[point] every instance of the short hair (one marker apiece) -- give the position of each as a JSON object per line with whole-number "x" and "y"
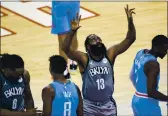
{"x": 14, "y": 61}
{"x": 86, "y": 42}
{"x": 159, "y": 40}
{"x": 89, "y": 37}
{"x": 57, "y": 64}
{"x": 4, "y": 59}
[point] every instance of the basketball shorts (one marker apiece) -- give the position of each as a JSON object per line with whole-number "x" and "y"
{"x": 145, "y": 106}
{"x": 108, "y": 108}
{"x": 62, "y": 14}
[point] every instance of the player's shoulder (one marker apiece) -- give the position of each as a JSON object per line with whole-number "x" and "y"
{"x": 152, "y": 65}
{"x": 48, "y": 89}
{"x": 140, "y": 52}
{"x": 26, "y": 76}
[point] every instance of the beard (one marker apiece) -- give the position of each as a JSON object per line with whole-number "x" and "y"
{"x": 98, "y": 50}
{"x": 12, "y": 79}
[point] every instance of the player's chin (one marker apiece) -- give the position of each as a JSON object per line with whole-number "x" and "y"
{"x": 162, "y": 56}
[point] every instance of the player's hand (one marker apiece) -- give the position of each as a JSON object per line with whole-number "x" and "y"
{"x": 75, "y": 22}
{"x": 35, "y": 112}
{"x": 129, "y": 12}
{"x": 39, "y": 113}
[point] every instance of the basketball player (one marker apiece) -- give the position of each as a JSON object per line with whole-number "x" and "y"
{"x": 96, "y": 67}
{"x": 62, "y": 97}
{"x": 62, "y": 13}
{"x": 145, "y": 77}
{"x": 15, "y": 93}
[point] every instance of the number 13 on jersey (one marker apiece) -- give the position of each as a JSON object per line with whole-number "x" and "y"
{"x": 100, "y": 84}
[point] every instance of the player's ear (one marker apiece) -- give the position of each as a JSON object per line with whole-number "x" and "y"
{"x": 88, "y": 47}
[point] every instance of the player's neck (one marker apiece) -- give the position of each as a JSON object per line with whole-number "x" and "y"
{"x": 153, "y": 53}
{"x": 97, "y": 58}
{"x": 4, "y": 73}
{"x": 60, "y": 78}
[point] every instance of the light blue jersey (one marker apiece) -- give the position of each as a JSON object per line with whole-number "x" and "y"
{"x": 62, "y": 14}
{"x": 141, "y": 103}
{"x": 66, "y": 99}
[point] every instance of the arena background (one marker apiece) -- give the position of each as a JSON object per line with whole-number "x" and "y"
{"x": 25, "y": 30}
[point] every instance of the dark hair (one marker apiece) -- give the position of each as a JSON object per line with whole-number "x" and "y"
{"x": 159, "y": 40}
{"x": 89, "y": 37}
{"x": 15, "y": 61}
{"x": 4, "y": 59}
{"x": 86, "y": 42}
{"x": 57, "y": 64}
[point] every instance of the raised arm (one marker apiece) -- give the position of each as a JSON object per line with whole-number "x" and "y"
{"x": 78, "y": 56}
{"x": 152, "y": 70}
{"x": 79, "y": 110}
{"x": 47, "y": 97}
{"x": 29, "y": 102}
{"x": 117, "y": 49}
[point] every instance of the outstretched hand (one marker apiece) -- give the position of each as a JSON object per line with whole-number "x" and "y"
{"x": 35, "y": 111}
{"x": 75, "y": 22}
{"x": 129, "y": 12}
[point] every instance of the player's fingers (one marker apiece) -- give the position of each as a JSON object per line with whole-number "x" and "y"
{"x": 73, "y": 19}
{"x": 78, "y": 27}
{"x": 39, "y": 111}
{"x": 127, "y": 7}
{"x": 79, "y": 18}
{"x": 126, "y": 12}
{"x": 77, "y": 15}
{"x": 131, "y": 9}
{"x": 132, "y": 13}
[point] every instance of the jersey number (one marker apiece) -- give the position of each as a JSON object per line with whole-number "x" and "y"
{"x": 67, "y": 108}
{"x": 100, "y": 84}
{"x": 14, "y": 105}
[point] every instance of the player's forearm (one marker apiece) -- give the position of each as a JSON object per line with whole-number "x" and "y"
{"x": 80, "y": 109}
{"x": 67, "y": 42}
{"x": 158, "y": 95}
{"x": 29, "y": 104}
{"x": 46, "y": 113}
{"x": 4, "y": 112}
{"x": 80, "y": 113}
{"x": 131, "y": 34}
